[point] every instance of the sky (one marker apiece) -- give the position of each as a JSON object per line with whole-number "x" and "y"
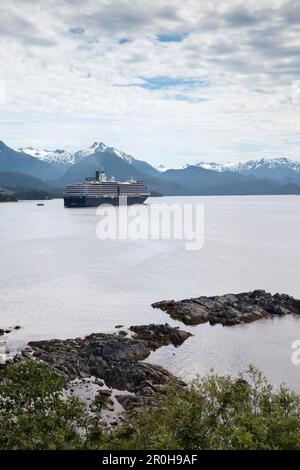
{"x": 171, "y": 82}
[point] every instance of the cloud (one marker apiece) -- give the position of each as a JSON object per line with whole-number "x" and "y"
{"x": 129, "y": 18}
{"x": 290, "y": 12}
{"x": 117, "y": 17}
{"x": 194, "y": 78}
{"x": 239, "y": 17}
{"x": 16, "y": 27}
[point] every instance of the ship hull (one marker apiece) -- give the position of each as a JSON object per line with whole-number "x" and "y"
{"x": 85, "y": 201}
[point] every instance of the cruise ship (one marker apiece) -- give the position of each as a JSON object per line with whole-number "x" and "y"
{"x": 101, "y": 190}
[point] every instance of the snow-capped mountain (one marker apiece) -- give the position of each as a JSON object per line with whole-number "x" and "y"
{"x": 63, "y": 159}
{"x": 273, "y": 168}
{"x": 271, "y": 164}
{"x": 18, "y": 162}
{"x": 87, "y": 152}
{"x": 101, "y": 147}
{"x": 58, "y": 158}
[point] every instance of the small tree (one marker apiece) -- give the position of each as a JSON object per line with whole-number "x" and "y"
{"x": 34, "y": 413}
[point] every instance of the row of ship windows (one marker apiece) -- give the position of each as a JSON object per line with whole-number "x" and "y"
{"x": 114, "y": 186}
{"x": 97, "y": 190}
{"x": 104, "y": 195}
{"x": 91, "y": 191}
{"x": 103, "y": 192}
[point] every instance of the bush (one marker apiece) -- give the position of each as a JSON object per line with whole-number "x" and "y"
{"x": 214, "y": 412}
{"x": 34, "y": 414}
{"x": 217, "y": 413}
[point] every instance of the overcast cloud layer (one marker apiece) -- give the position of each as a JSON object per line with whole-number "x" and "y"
{"x": 167, "y": 81}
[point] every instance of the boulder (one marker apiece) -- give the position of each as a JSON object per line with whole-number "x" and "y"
{"x": 159, "y": 335}
{"x": 133, "y": 402}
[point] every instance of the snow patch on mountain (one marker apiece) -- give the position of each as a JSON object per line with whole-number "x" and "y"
{"x": 123, "y": 155}
{"x": 101, "y": 147}
{"x": 87, "y": 152}
{"x": 208, "y": 166}
{"x": 54, "y": 157}
{"x": 161, "y": 168}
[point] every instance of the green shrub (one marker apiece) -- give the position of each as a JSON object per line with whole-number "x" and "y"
{"x": 214, "y": 412}
{"x": 217, "y": 413}
{"x": 34, "y": 414}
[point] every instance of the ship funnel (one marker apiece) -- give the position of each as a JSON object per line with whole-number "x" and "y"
{"x": 100, "y": 176}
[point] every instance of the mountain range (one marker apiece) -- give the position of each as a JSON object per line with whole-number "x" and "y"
{"x": 31, "y": 168}
{"x": 276, "y": 168}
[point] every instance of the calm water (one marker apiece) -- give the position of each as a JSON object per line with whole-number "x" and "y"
{"x": 58, "y": 280}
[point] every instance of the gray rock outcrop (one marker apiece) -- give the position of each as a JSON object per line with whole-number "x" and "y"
{"x": 230, "y": 309}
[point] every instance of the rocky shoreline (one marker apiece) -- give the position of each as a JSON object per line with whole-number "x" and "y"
{"x": 115, "y": 359}
{"x": 230, "y": 309}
